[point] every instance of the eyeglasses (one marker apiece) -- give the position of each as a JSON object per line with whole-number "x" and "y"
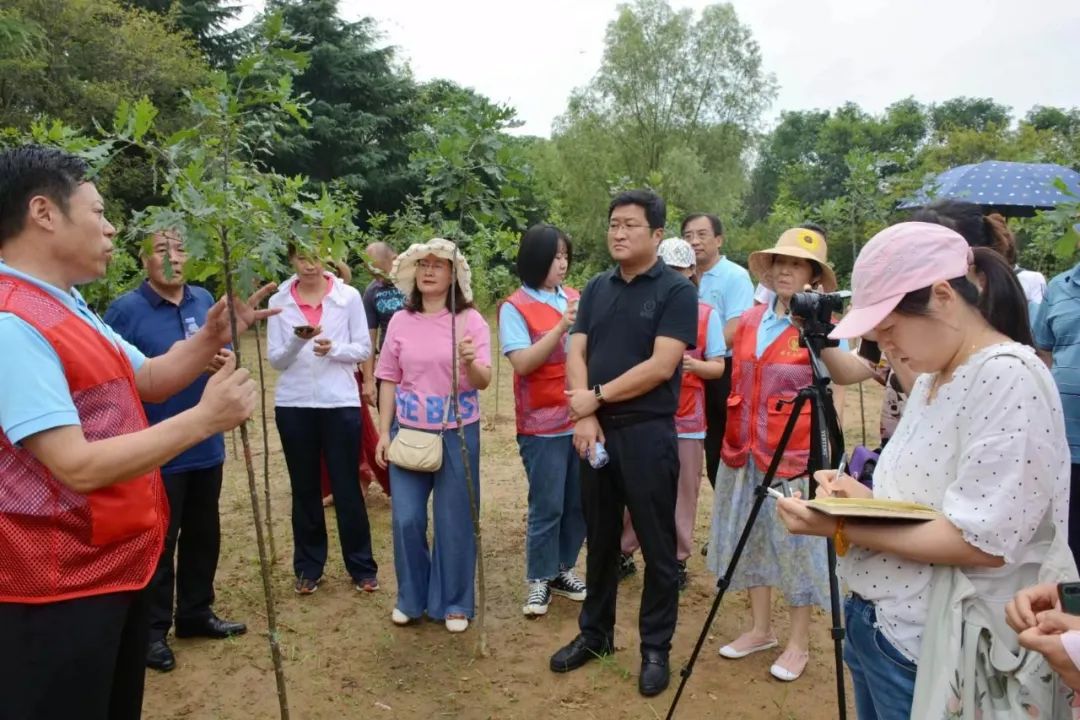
{"x": 614, "y": 227}
{"x": 700, "y": 235}
{"x": 432, "y": 265}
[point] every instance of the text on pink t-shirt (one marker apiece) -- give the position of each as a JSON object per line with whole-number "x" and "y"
{"x": 416, "y": 355}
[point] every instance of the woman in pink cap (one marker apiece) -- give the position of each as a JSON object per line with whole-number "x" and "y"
{"x": 982, "y": 441}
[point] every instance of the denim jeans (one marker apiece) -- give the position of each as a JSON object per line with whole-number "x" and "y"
{"x": 556, "y": 527}
{"x": 439, "y": 581}
{"x": 883, "y": 679}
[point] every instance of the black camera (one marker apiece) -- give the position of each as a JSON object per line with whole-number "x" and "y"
{"x": 816, "y": 310}
{"x": 818, "y": 306}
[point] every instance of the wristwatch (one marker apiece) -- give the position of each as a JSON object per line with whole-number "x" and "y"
{"x": 598, "y": 393}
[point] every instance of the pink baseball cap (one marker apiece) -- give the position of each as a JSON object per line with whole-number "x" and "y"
{"x": 900, "y": 259}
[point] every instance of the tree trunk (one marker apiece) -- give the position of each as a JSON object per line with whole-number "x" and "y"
{"x": 265, "y": 447}
{"x": 264, "y": 565}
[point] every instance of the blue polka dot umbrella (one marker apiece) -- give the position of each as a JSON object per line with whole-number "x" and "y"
{"x": 1011, "y": 188}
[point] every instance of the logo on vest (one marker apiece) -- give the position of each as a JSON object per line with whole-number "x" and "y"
{"x": 793, "y": 346}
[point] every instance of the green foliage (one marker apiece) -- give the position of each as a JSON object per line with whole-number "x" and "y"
{"x": 204, "y": 20}
{"x": 362, "y": 108}
{"x": 94, "y": 54}
{"x": 673, "y": 107}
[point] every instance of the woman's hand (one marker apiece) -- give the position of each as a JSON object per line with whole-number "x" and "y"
{"x": 1056, "y": 621}
{"x": 799, "y": 519}
{"x": 381, "y": 449}
{"x": 570, "y": 316}
{"x": 306, "y": 332}
{"x": 1022, "y": 611}
{"x": 829, "y": 485}
{"x": 322, "y": 346}
{"x": 467, "y": 351}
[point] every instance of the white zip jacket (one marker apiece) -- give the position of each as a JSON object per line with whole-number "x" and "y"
{"x": 307, "y": 380}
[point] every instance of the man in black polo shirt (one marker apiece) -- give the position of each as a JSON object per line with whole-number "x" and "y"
{"x": 623, "y": 367}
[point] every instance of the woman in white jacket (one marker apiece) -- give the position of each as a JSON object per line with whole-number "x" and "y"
{"x": 316, "y": 342}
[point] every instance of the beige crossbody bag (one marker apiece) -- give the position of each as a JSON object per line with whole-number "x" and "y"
{"x": 419, "y": 450}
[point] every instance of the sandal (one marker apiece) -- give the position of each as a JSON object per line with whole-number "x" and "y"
{"x": 744, "y": 645}
{"x": 790, "y": 665}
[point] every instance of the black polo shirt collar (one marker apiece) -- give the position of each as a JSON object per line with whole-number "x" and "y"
{"x": 155, "y": 300}
{"x": 653, "y": 272}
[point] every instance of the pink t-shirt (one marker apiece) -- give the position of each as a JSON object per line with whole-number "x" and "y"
{"x": 416, "y": 355}
{"x": 312, "y": 313}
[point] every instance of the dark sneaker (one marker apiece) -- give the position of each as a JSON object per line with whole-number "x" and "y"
{"x": 368, "y": 585}
{"x": 568, "y": 585}
{"x": 626, "y": 566}
{"x": 306, "y": 586}
{"x": 536, "y": 604}
{"x": 683, "y": 580}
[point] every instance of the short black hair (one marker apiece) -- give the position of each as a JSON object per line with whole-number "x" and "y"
{"x": 813, "y": 226}
{"x": 539, "y": 246}
{"x": 31, "y": 170}
{"x": 717, "y": 226}
{"x": 653, "y": 205}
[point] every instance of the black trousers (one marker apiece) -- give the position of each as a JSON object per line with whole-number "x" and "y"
{"x": 82, "y": 658}
{"x": 716, "y": 397}
{"x": 308, "y": 434}
{"x": 189, "y": 559}
{"x": 642, "y": 476}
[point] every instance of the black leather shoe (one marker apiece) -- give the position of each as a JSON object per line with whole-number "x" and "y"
{"x": 655, "y": 674}
{"x": 159, "y": 656}
{"x": 210, "y": 627}
{"x": 577, "y": 653}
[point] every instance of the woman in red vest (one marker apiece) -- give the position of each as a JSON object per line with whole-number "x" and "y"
{"x": 533, "y": 323}
{"x": 704, "y": 362}
{"x": 769, "y": 366}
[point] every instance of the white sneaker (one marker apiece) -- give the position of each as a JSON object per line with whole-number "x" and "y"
{"x": 457, "y": 624}
{"x": 568, "y": 585}
{"x": 536, "y": 604}
{"x": 400, "y": 618}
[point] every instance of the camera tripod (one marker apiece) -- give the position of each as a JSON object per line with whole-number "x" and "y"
{"x": 826, "y": 442}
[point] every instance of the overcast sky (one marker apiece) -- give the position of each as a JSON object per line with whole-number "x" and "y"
{"x": 531, "y": 54}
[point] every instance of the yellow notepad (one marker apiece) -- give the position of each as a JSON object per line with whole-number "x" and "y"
{"x": 878, "y": 509}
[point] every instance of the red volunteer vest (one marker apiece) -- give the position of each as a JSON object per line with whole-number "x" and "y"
{"x": 690, "y": 417}
{"x": 754, "y": 422}
{"x": 540, "y": 397}
{"x": 57, "y": 544}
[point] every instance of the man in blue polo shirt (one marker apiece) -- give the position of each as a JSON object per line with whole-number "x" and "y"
{"x": 1057, "y": 338}
{"x": 727, "y": 287}
{"x": 162, "y": 311}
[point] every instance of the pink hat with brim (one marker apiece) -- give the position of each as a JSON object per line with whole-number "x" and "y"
{"x": 898, "y": 260}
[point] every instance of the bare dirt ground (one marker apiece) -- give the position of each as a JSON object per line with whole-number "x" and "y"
{"x": 344, "y": 658}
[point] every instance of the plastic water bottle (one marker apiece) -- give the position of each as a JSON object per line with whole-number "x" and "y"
{"x": 599, "y": 458}
{"x": 190, "y": 327}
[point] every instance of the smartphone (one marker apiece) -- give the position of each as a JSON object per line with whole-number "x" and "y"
{"x": 869, "y": 350}
{"x": 303, "y": 329}
{"x": 1069, "y": 594}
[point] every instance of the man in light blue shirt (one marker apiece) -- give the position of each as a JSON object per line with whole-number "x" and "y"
{"x": 1057, "y": 338}
{"x": 727, "y": 287}
{"x": 81, "y": 633}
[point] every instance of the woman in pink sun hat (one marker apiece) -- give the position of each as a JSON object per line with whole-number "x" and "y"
{"x": 982, "y": 441}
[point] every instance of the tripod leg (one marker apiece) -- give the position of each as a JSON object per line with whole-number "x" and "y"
{"x": 723, "y": 583}
{"x": 828, "y": 442}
